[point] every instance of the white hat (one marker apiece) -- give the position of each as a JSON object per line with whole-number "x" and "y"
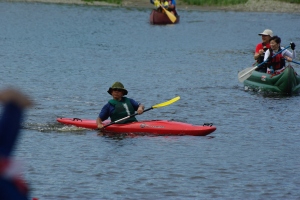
{"x": 267, "y": 32}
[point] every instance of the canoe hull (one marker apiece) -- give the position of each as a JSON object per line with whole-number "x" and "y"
{"x": 160, "y": 18}
{"x": 288, "y": 82}
{"x": 152, "y": 127}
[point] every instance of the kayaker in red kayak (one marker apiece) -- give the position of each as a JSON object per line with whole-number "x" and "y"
{"x": 119, "y": 107}
{"x": 12, "y": 186}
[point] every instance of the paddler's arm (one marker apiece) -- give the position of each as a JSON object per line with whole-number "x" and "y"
{"x": 99, "y": 123}
{"x": 290, "y": 56}
{"x": 257, "y": 55}
{"x": 258, "y": 51}
{"x": 140, "y": 109}
{"x": 10, "y": 122}
{"x": 103, "y": 115}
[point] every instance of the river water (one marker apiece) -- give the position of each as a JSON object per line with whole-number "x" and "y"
{"x": 67, "y": 56}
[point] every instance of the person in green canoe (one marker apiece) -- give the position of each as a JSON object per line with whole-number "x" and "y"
{"x": 261, "y": 48}
{"x": 276, "y": 65}
{"x": 119, "y": 107}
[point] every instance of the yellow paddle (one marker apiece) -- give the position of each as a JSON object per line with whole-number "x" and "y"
{"x": 169, "y": 14}
{"x": 152, "y": 107}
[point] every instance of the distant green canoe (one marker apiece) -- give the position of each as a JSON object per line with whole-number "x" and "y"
{"x": 288, "y": 82}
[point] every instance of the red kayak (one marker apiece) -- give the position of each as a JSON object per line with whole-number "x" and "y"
{"x": 152, "y": 127}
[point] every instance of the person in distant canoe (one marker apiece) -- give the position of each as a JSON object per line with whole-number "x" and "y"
{"x": 261, "y": 48}
{"x": 158, "y": 3}
{"x": 119, "y": 107}
{"x": 12, "y": 186}
{"x": 170, "y": 5}
{"x": 276, "y": 65}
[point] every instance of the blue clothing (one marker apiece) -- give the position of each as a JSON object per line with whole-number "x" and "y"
{"x": 108, "y": 109}
{"x": 10, "y": 124}
{"x": 9, "y": 191}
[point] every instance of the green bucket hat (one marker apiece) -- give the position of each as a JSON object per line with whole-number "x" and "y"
{"x": 117, "y": 85}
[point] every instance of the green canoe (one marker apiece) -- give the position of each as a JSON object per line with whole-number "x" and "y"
{"x": 288, "y": 82}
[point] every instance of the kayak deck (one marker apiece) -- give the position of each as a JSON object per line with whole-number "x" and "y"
{"x": 153, "y": 127}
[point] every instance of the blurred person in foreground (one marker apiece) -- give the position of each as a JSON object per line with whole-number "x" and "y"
{"x": 12, "y": 185}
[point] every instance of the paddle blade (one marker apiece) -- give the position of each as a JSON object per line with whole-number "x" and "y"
{"x": 246, "y": 73}
{"x": 166, "y": 103}
{"x": 169, "y": 14}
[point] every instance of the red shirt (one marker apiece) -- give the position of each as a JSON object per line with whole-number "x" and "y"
{"x": 260, "y": 46}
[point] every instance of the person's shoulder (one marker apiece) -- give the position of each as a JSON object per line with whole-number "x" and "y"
{"x": 127, "y": 99}
{"x": 132, "y": 101}
{"x": 108, "y": 104}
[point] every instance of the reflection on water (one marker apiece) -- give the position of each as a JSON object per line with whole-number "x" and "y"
{"x": 67, "y": 56}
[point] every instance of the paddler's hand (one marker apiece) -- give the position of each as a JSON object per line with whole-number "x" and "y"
{"x": 140, "y": 110}
{"x": 156, "y": 3}
{"x": 100, "y": 126}
{"x": 293, "y": 46}
{"x": 261, "y": 52}
{"x": 288, "y": 59}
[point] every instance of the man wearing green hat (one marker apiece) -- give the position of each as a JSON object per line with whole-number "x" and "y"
{"x": 119, "y": 107}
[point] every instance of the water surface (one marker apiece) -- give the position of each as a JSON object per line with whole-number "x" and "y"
{"x": 67, "y": 56}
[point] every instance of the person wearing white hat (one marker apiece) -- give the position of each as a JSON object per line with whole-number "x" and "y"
{"x": 119, "y": 106}
{"x": 262, "y": 47}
